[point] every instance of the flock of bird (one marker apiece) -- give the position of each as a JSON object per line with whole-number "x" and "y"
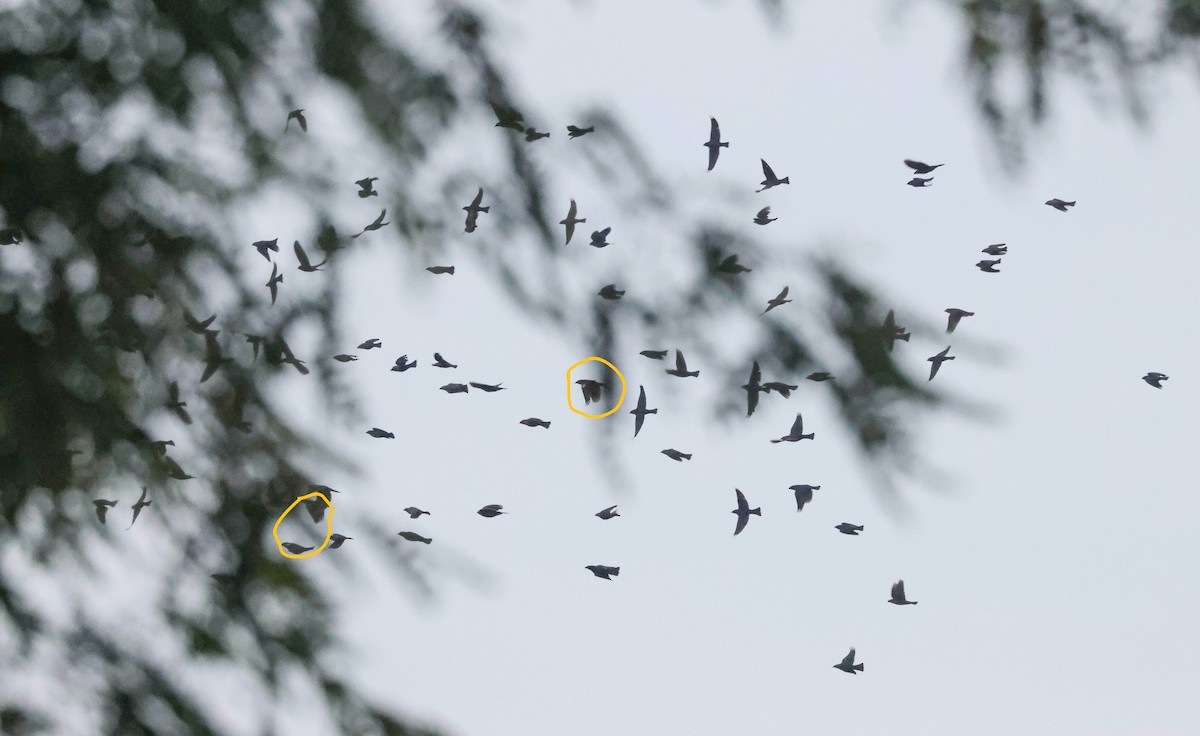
{"x": 592, "y": 390}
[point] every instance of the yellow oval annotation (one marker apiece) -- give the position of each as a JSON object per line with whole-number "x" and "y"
{"x": 328, "y": 527}
{"x": 614, "y": 370}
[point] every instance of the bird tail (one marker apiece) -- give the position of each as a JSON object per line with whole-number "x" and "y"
{"x": 652, "y": 411}
{"x": 723, "y": 145}
{"x": 808, "y": 436}
{"x": 784, "y": 180}
{"x": 450, "y": 270}
{"x": 1069, "y": 204}
{"x": 427, "y": 540}
{"x": 485, "y": 209}
{"x": 757, "y": 511}
{"x": 860, "y": 528}
{"x": 689, "y": 457}
{"x": 858, "y": 667}
{"x": 615, "y": 571}
{"x": 904, "y": 337}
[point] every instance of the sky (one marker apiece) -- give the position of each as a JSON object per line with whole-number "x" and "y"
{"x": 1051, "y": 545}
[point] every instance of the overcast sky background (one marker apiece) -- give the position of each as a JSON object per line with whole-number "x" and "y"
{"x": 1053, "y": 555}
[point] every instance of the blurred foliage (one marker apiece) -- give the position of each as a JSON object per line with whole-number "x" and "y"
{"x": 130, "y": 131}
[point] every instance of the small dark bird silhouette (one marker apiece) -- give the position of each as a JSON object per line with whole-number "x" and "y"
{"x": 680, "y": 370}
{"x": 374, "y": 225}
{"x": 296, "y": 548}
{"x": 641, "y": 411}
{"x": 414, "y": 537}
{"x": 509, "y": 118}
{"x": 102, "y": 507}
{"x": 213, "y": 359}
{"x": 796, "y": 434}
{"x": 274, "y": 282}
{"x": 535, "y": 422}
{"x": 474, "y": 209}
{"x": 137, "y": 507}
{"x": 575, "y": 131}
{"x": 491, "y": 510}
{"x": 336, "y": 540}
{"x": 255, "y": 341}
{"x": 764, "y": 216}
{"x": 298, "y": 116}
{"x": 591, "y": 390}
{"x": 937, "y": 361}
{"x": 287, "y": 357}
{"x": 919, "y": 183}
{"x": 989, "y": 266}
{"x": 173, "y": 470}
{"x": 608, "y": 513}
{"x": 731, "y": 265}
{"x": 676, "y": 455}
{"x": 197, "y": 326}
{"x": 850, "y": 529}
{"x": 305, "y": 264}
{"x": 783, "y": 389}
{"x": 1059, "y": 204}
{"x": 440, "y": 362}
{"x": 771, "y": 180}
{"x": 996, "y": 249}
{"x": 778, "y": 301}
{"x": 603, "y": 571}
{"x": 1155, "y": 379}
{"x": 654, "y": 354}
{"x": 743, "y": 512}
{"x": 455, "y": 388}
{"x": 919, "y": 167}
{"x": 265, "y": 245}
{"x": 415, "y": 513}
{"x": 371, "y": 344}
{"x": 804, "y": 495}
{"x": 898, "y": 595}
{"x": 819, "y": 376}
{"x": 177, "y": 406}
{"x": 378, "y": 433}
{"x": 365, "y": 187}
{"x": 344, "y": 358}
{"x": 532, "y": 135}
{"x": 956, "y": 316}
{"x": 891, "y": 332}
{"x": 611, "y": 292}
{"x": 847, "y": 664}
{"x": 753, "y": 388}
{"x": 714, "y": 144}
{"x": 600, "y": 238}
{"x": 487, "y": 387}
{"x": 571, "y": 221}
{"x": 441, "y": 269}
{"x": 402, "y": 364}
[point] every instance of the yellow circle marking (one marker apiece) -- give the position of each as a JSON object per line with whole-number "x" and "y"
{"x": 328, "y": 527}
{"x": 614, "y": 370}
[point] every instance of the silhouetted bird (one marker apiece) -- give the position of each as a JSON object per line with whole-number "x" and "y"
{"x": 891, "y": 332}
{"x": 378, "y": 433}
{"x": 937, "y": 361}
{"x": 764, "y": 216}
{"x": 306, "y": 265}
{"x": 996, "y": 249}
{"x": 919, "y": 167}
{"x": 535, "y": 422}
{"x": 819, "y": 376}
{"x": 197, "y": 326}
{"x": 255, "y": 342}
{"x": 714, "y": 144}
{"x": 402, "y": 364}
{"x": 771, "y": 180}
{"x": 371, "y": 344}
{"x": 160, "y": 446}
{"x": 639, "y": 413}
{"x": 611, "y": 292}
{"x": 571, "y": 221}
{"x": 591, "y": 390}
{"x": 378, "y": 223}
{"x": 919, "y": 183}
{"x": 804, "y": 495}
{"x": 676, "y": 455}
{"x": 731, "y": 265}
{"x": 608, "y": 513}
{"x": 989, "y": 266}
{"x": 575, "y": 131}
{"x": 850, "y": 529}
{"x": 441, "y": 269}
{"x": 1059, "y": 204}
{"x": 173, "y": 470}
{"x": 1155, "y": 379}
{"x": 265, "y": 245}
{"x": 743, "y": 512}
{"x": 778, "y": 301}
{"x": 532, "y": 135}
{"x": 274, "y": 282}
{"x": 455, "y": 388}
{"x": 414, "y": 537}
{"x": 440, "y": 362}
{"x": 102, "y": 507}
{"x": 491, "y": 510}
{"x": 509, "y": 118}
{"x": 753, "y": 387}
{"x": 212, "y": 356}
{"x": 177, "y": 406}
{"x": 600, "y": 238}
{"x": 365, "y": 187}
{"x": 298, "y": 116}
{"x": 654, "y": 354}
{"x": 344, "y": 358}
{"x": 680, "y": 370}
{"x": 473, "y": 210}
{"x": 415, "y": 513}
{"x": 783, "y": 389}
{"x": 898, "y": 595}
{"x": 847, "y": 664}
{"x": 487, "y": 387}
{"x": 956, "y": 316}
{"x": 336, "y": 540}
{"x": 604, "y": 571}
{"x": 137, "y": 507}
{"x": 796, "y": 434}
{"x": 296, "y": 548}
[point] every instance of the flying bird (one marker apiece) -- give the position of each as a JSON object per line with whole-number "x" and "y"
{"x": 173, "y": 470}
{"x": 414, "y": 537}
{"x": 764, "y": 216}
{"x": 898, "y": 595}
{"x": 378, "y": 433}
{"x": 1059, "y": 204}
{"x": 778, "y": 301}
{"x": 920, "y": 167}
{"x": 654, "y": 354}
{"x": 819, "y": 376}
{"x": 371, "y": 344}
{"x": 137, "y": 507}
{"x": 743, "y": 512}
{"x": 198, "y": 326}
{"x": 804, "y": 495}
{"x": 676, "y": 455}
{"x": 336, "y": 540}
{"x": 402, "y": 364}
{"x": 796, "y": 434}
{"x": 102, "y": 507}
{"x": 298, "y": 116}
{"x": 441, "y": 269}
{"x": 611, "y": 292}
{"x": 680, "y": 368}
{"x": 850, "y": 529}
{"x": 989, "y": 266}
{"x": 160, "y": 446}
{"x": 344, "y": 358}
{"x": 440, "y": 362}
{"x": 996, "y": 249}
{"x": 532, "y": 135}
{"x": 956, "y": 316}
{"x": 487, "y": 387}
{"x": 640, "y": 412}
{"x": 575, "y": 131}
{"x": 919, "y": 183}
{"x": 847, "y": 664}
{"x": 891, "y": 332}
{"x": 753, "y": 387}
{"x": 212, "y": 356}
{"x": 937, "y": 361}
{"x": 731, "y": 265}
{"x": 455, "y": 388}
{"x": 771, "y": 180}
{"x": 295, "y": 548}
{"x": 265, "y": 245}
{"x": 305, "y": 264}
{"x": 255, "y": 342}
{"x": 177, "y": 406}
{"x": 365, "y": 187}
{"x": 600, "y": 238}
{"x": 783, "y": 389}
{"x": 535, "y": 422}
{"x": 415, "y": 513}
{"x": 571, "y": 221}
{"x": 608, "y": 513}
{"x": 714, "y": 144}
{"x": 1155, "y": 379}
{"x": 374, "y": 225}
{"x": 591, "y": 390}
{"x": 474, "y": 209}
{"x": 603, "y": 571}
{"x": 492, "y": 510}
{"x": 274, "y": 282}
{"x": 508, "y": 117}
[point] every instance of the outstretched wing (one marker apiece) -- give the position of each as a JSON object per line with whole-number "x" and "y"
{"x": 798, "y": 426}
{"x": 914, "y": 165}
{"x": 301, "y": 255}
{"x": 680, "y": 363}
{"x": 849, "y": 658}
{"x": 898, "y": 590}
{"x": 767, "y": 173}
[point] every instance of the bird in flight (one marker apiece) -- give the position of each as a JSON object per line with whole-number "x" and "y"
{"x": 850, "y": 529}
{"x": 898, "y": 595}
{"x": 262, "y": 246}
{"x": 102, "y": 507}
{"x": 378, "y": 433}
{"x": 676, "y": 455}
{"x": 402, "y": 364}
{"x": 1155, "y": 379}
{"x": 743, "y": 512}
{"x": 365, "y": 187}
{"x": 532, "y": 135}
{"x": 441, "y": 269}
{"x": 197, "y": 326}
{"x": 989, "y": 266}
{"x": 796, "y": 434}
{"x": 474, "y": 209}
{"x": 847, "y": 664}
{"x": 937, "y": 361}
{"x": 654, "y": 354}
{"x": 608, "y": 513}
{"x": 919, "y": 183}
{"x": 783, "y": 389}
{"x": 891, "y": 332}
{"x": 274, "y": 282}
{"x": 509, "y": 118}
{"x": 487, "y": 387}
{"x": 771, "y": 180}
{"x": 440, "y": 362}
{"x": 345, "y": 358}
{"x": 778, "y": 301}
{"x": 305, "y": 264}
{"x": 714, "y": 144}
{"x": 374, "y": 225}
{"x": 414, "y": 537}
{"x": 819, "y": 376}
{"x": 731, "y": 265}
{"x": 298, "y": 116}
{"x": 804, "y": 495}
{"x": 956, "y": 315}
{"x": 611, "y": 292}
{"x": 575, "y": 131}
{"x": 492, "y": 510}
{"x": 336, "y": 540}
{"x": 370, "y": 344}
{"x": 571, "y": 221}
{"x": 591, "y": 390}
{"x": 604, "y": 571}
{"x": 996, "y": 249}
{"x": 1059, "y": 204}
{"x": 680, "y": 368}
{"x": 535, "y": 422}
{"x": 295, "y": 548}
{"x": 177, "y": 406}
{"x": 764, "y": 216}
{"x": 753, "y": 387}
{"x": 415, "y": 513}
{"x": 455, "y": 388}
{"x": 640, "y": 412}
{"x": 212, "y": 356}
{"x": 137, "y": 507}
{"x": 600, "y": 238}
{"x": 920, "y": 167}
